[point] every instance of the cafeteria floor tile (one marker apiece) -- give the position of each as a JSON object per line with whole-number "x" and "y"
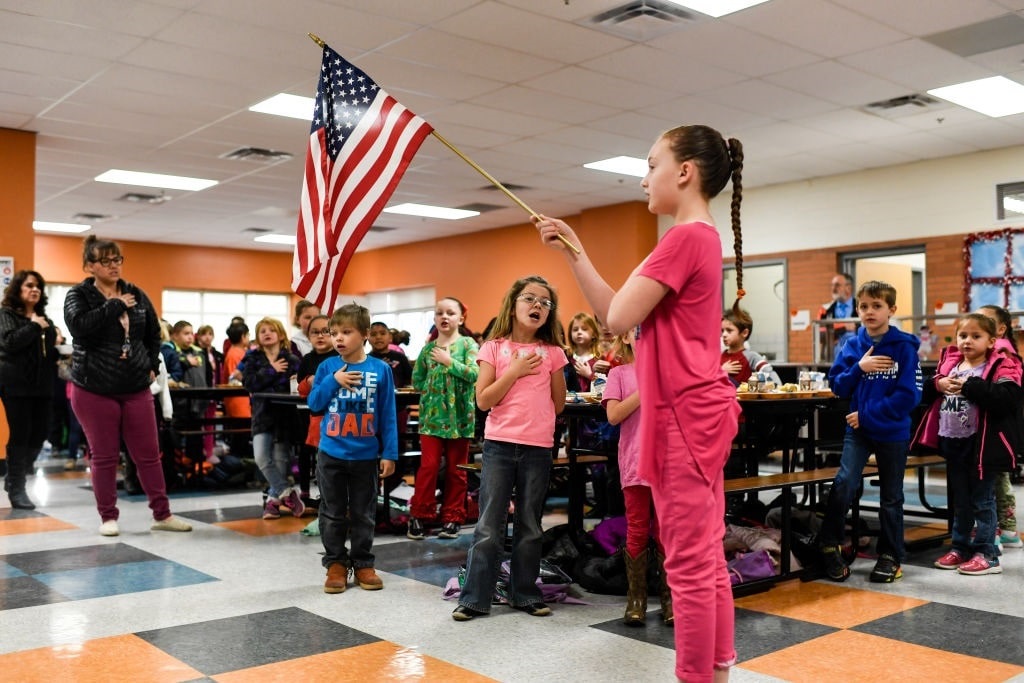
{"x": 241, "y": 599}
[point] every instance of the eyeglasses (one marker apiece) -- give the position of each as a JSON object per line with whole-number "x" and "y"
{"x": 107, "y": 262}
{"x": 320, "y": 333}
{"x": 531, "y": 299}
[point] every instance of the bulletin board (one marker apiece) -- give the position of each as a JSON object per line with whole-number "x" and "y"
{"x": 994, "y": 269}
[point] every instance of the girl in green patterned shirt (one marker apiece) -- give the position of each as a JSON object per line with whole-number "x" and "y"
{"x": 445, "y": 375}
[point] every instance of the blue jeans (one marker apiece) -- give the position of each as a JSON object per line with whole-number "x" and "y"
{"x": 891, "y": 457}
{"x": 348, "y": 504}
{"x": 274, "y": 458}
{"x": 507, "y": 467}
{"x": 973, "y": 499}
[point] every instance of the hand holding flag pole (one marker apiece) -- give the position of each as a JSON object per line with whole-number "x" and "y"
{"x": 494, "y": 181}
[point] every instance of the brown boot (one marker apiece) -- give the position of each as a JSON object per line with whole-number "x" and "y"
{"x": 337, "y": 578}
{"x": 368, "y": 579}
{"x": 636, "y": 598}
{"x": 666, "y": 593}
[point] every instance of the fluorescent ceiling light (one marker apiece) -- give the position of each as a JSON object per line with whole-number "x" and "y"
{"x": 717, "y": 8}
{"x": 283, "y": 104}
{"x": 45, "y": 226}
{"x": 276, "y": 239}
{"x": 170, "y": 182}
{"x": 428, "y": 211}
{"x": 995, "y": 96}
{"x": 624, "y": 165}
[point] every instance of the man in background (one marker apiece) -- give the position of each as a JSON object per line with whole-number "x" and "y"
{"x": 842, "y": 306}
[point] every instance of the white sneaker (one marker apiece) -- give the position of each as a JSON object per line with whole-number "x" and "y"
{"x": 1010, "y": 539}
{"x": 172, "y": 523}
{"x": 109, "y": 528}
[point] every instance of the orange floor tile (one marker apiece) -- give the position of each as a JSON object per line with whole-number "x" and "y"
{"x": 382, "y": 661}
{"x": 31, "y": 525}
{"x": 267, "y": 527}
{"x": 830, "y": 605}
{"x": 848, "y": 655}
{"x": 118, "y": 658}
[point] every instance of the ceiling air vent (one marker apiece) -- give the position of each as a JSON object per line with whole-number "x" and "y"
{"x": 381, "y": 228}
{"x": 481, "y": 207}
{"x": 511, "y": 187}
{"x": 257, "y": 231}
{"x": 641, "y": 20}
{"x": 91, "y": 218}
{"x": 905, "y": 105}
{"x": 257, "y": 154}
{"x": 142, "y": 198}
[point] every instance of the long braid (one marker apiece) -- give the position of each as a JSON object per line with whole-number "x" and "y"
{"x": 736, "y": 153}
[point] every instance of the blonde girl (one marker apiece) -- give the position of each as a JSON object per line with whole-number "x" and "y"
{"x": 584, "y": 338}
{"x": 522, "y": 384}
{"x": 445, "y": 375}
{"x": 269, "y": 369}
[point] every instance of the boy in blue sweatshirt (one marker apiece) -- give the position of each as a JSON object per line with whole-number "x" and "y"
{"x": 357, "y": 395}
{"x": 879, "y": 372}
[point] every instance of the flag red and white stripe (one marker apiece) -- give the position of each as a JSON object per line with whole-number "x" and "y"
{"x": 360, "y": 144}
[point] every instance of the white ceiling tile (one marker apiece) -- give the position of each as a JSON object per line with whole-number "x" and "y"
{"x": 493, "y": 22}
{"x": 837, "y": 83}
{"x": 527, "y": 101}
{"x": 591, "y": 86}
{"x": 660, "y": 68}
{"x": 851, "y": 124}
{"x": 923, "y": 18}
{"x": 916, "y": 64}
{"x": 396, "y": 75}
{"x": 49, "y": 63}
{"x": 122, "y": 16}
{"x": 816, "y": 26}
{"x": 865, "y": 155}
{"x": 927, "y": 145}
{"x": 769, "y": 100}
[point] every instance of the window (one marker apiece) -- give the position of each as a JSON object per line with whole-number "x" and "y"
{"x": 765, "y": 300}
{"x": 406, "y": 309}
{"x": 218, "y": 308}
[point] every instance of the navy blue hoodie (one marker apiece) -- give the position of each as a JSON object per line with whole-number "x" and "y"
{"x": 883, "y": 401}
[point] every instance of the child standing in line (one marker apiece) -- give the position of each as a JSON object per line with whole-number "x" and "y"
{"x": 445, "y": 375}
{"x": 583, "y": 345}
{"x": 738, "y": 361}
{"x": 269, "y": 369}
{"x": 357, "y": 393}
{"x": 237, "y": 406}
{"x": 1006, "y": 501}
{"x": 690, "y": 408}
{"x": 380, "y": 347}
{"x": 319, "y": 333}
{"x": 621, "y": 401}
{"x": 522, "y": 384}
{"x": 974, "y": 419}
{"x": 879, "y": 372}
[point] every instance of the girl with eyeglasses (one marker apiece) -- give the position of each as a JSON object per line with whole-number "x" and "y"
{"x": 521, "y": 383}
{"x": 690, "y": 413}
{"x": 28, "y": 366}
{"x": 116, "y": 341}
{"x": 319, "y": 331}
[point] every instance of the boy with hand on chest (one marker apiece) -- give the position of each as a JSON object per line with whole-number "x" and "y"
{"x": 357, "y": 395}
{"x": 878, "y": 371}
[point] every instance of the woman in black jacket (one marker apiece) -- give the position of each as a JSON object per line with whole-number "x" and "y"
{"x": 28, "y": 363}
{"x": 116, "y": 337}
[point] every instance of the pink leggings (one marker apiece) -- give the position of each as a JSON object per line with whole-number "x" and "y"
{"x": 641, "y": 522}
{"x": 691, "y": 508}
{"x": 424, "y": 501}
{"x": 106, "y": 420}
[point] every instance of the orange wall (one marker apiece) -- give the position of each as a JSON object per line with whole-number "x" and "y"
{"x": 17, "y": 210}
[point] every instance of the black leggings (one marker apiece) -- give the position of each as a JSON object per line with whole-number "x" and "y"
{"x": 28, "y": 420}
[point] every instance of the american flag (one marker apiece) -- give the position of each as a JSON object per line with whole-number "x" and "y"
{"x": 360, "y": 144}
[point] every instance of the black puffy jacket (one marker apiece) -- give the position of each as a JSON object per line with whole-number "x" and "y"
{"x": 98, "y": 337}
{"x": 28, "y": 360}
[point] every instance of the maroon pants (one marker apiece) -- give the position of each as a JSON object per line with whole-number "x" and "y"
{"x": 109, "y": 419}
{"x": 641, "y": 522}
{"x": 424, "y": 501}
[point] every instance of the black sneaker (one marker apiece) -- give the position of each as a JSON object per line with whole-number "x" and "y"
{"x": 836, "y": 568}
{"x": 449, "y": 530}
{"x": 416, "y": 531}
{"x": 886, "y": 570}
{"x": 463, "y": 613}
{"x": 534, "y": 609}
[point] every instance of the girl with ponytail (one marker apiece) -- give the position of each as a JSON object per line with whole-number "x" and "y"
{"x": 690, "y": 412}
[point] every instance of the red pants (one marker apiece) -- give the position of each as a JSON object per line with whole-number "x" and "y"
{"x": 691, "y": 508}
{"x": 424, "y": 501}
{"x": 641, "y": 522}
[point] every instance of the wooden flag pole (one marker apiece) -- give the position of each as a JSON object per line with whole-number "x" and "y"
{"x": 494, "y": 181}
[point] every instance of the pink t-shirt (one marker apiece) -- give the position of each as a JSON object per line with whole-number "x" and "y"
{"x": 526, "y": 414}
{"x": 620, "y": 386}
{"x": 679, "y": 350}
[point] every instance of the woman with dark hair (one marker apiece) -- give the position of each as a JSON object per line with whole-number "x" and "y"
{"x": 28, "y": 362}
{"x": 116, "y": 356}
